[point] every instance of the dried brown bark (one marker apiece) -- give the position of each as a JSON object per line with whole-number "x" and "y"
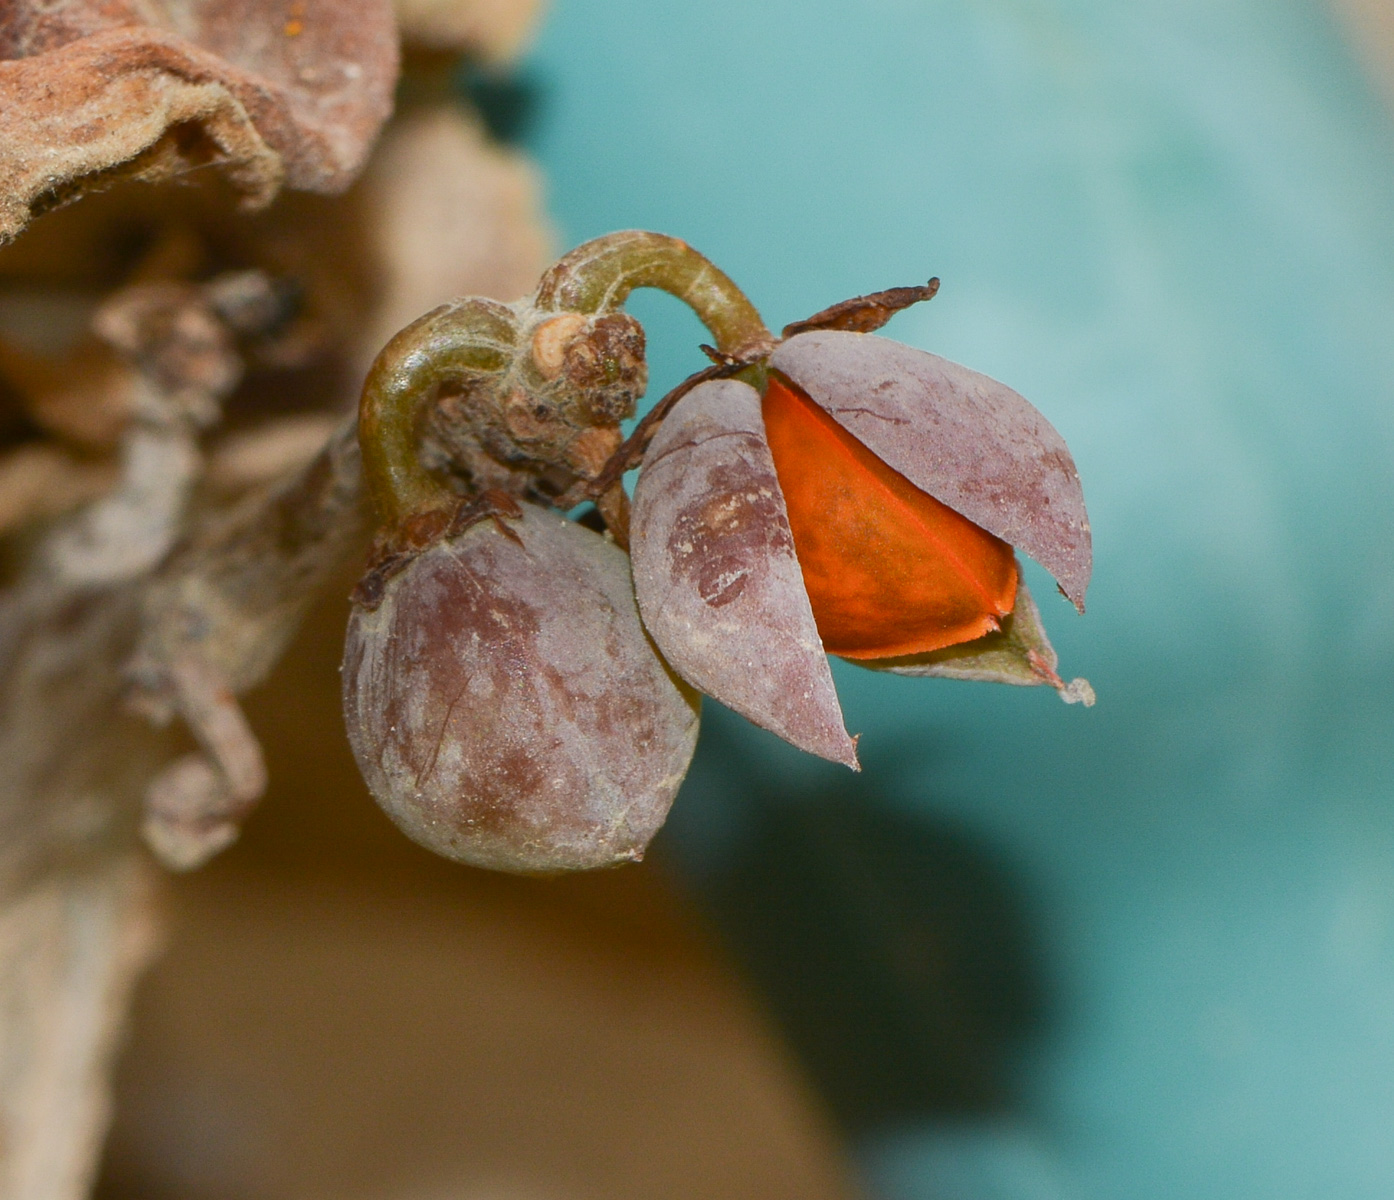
{"x": 128, "y": 628}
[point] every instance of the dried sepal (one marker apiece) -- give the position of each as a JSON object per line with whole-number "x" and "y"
{"x": 717, "y": 580}
{"x": 970, "y": 442}
{"x": 1019, "y": 653}
{"x": 92, "y": 91}
{"x": 506, "y": 707}
{"x": 865, "y": 314}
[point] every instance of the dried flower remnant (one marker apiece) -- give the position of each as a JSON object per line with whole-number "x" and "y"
{"x": 829, "y": 492}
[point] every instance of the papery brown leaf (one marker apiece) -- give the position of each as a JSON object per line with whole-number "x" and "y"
{"x": 967, "y": 440}
{"x": 506, "y": 707}
{"x": 718, "y": 584}
{"x": 267, "y": 91}
{"x": 1019, "y": 653}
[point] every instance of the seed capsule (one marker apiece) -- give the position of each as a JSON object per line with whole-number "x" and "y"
{"x": 867, "y": 504}
{"x": 506, "y": 707}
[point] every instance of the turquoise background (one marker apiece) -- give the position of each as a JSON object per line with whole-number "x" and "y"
{"x": 1171, "y": 226}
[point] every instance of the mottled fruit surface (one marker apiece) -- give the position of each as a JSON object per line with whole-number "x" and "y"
{"x": 716, "y": 577}
{"x": 507, "y": 708}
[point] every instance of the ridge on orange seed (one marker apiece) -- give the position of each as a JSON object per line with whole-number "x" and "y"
{"x": 889, "y": 570}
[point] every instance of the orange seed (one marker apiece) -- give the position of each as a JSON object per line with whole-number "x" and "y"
{"x": 889, "y": 569}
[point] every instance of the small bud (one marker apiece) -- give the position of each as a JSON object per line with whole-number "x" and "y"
{"x": 549, "y": 342}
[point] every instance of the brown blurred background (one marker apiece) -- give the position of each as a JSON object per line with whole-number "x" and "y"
{"x": 340, "y": 1014}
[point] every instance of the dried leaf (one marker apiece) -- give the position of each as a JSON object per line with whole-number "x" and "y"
{"x": 718, "y": 583}
{"x": 505, "y": 706}
{"x": 967, "y": 440}
{"x": 266, "y": 91}
{"x": 1019, "y": 653}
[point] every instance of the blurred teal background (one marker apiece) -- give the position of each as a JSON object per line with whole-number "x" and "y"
{"x": 1171, "y": 226}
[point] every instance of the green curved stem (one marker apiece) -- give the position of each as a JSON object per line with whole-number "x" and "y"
{"x": 599, "y": 275}
{"x": 477, "y": 337}
{"x": 451, "y": 344}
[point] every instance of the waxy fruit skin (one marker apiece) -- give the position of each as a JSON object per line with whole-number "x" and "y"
{"x": 970, "y": 442}
{"x": 506, "y": 706}
{"x": 716, "y": 577}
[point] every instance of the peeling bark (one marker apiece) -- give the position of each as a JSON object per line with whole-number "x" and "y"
{"x": 129, "y": 627}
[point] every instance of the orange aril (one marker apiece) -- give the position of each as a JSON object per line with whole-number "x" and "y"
{"x": 889, "y": 569}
